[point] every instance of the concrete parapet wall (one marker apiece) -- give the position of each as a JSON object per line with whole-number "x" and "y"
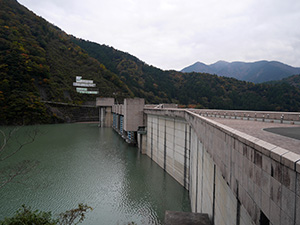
{"x": 234, "y": 177}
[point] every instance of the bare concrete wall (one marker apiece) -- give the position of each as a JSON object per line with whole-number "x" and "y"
{"x": 233, "y": 177}
{"x": 168, "y": 146}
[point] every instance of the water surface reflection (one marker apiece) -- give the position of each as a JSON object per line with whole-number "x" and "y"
{"x": 84, "y": 163}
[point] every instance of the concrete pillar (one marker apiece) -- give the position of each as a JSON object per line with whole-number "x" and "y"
{"x": 105, "y": 116}
{"x": 101, "y": 116}
{"x": 118, "y": 121}
{"x": 133, "y": 111}
{"x": 142, "y": 139}
{"x": 105, "y": 111}
{"x": 108, "y": 119}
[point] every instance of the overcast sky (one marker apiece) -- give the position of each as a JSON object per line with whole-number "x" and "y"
{"x": 172, "y": 34}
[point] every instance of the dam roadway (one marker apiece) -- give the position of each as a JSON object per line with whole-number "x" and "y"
{"x": 283, "y": 135}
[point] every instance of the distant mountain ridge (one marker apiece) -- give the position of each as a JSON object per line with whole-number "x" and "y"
{"x": 256, "y": 72}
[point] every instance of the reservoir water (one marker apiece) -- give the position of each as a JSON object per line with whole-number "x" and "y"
{"x": 82, "y": 163}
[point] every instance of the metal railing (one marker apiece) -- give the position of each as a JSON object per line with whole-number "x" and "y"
{"x": 271, "y": 117}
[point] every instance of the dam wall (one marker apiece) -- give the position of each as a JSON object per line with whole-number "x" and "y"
{"x": 233, "y": 177}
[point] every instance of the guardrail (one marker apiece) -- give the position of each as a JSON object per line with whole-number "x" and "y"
{"x": 262, "y": 116}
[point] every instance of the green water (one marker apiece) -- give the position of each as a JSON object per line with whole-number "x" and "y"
{"x": 82, "y": 163}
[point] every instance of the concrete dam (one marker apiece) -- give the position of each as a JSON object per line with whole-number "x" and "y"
{"x": 235, "y": 171}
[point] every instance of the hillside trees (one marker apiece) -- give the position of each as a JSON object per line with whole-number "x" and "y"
{"x": 38, "y": 62}
{"x": 203, "y": 90}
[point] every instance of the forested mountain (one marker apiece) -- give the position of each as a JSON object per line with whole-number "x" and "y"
{"x": 256, "y": 72}
{"x": 198, "y": 89}
{"x": 292, "y": 80}
{"x": 39, "y": 62}
{"x": 153, "y": 84}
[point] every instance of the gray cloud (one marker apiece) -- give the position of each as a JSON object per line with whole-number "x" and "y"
{"x": 172, "y": 34}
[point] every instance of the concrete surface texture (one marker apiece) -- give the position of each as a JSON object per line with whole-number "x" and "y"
{"x": 174, "y": 145}
{"x": 235, "y": 171}
{"x": 133, "y": 113}
{"x": 105, "y": 101}
{"x": 167, "y": 145}
{"x": 186, "y": 218}
{"x": 258, "y": 130}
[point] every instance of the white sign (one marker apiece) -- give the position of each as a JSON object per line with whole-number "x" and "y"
{"x": 80, "y": 80}
{"x": 81, "y": 89}
{"x": 75, "y": 84}
{"x": 84, "y": 83}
